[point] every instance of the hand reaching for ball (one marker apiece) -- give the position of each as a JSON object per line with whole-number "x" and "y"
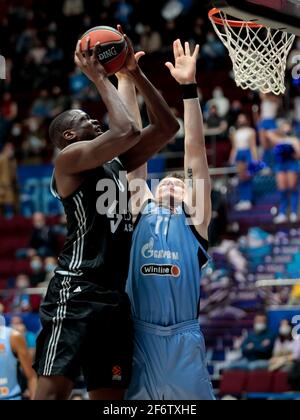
{"x": 132, "y": 60}
{"x": 90, "y": 64}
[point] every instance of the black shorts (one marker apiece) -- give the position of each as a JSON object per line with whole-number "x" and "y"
{"x": 86, "y": 330}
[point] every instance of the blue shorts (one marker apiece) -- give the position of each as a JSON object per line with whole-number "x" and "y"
{"x": 288, "y": 166}
{"x": 169, "y": 363}
{"x": 244, "y": 156}
{"x": 268, "y": 125}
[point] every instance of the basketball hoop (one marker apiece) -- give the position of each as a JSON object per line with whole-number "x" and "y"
{"x": 259, "y": 54}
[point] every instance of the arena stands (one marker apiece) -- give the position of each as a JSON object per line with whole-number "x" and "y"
{"x": 37, "y": 38}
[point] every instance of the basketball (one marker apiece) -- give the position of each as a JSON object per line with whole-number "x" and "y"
{"x": 113, "y": 47}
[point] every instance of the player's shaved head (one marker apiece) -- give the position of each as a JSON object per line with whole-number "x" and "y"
{"x": 59, "y": 125}
{"x": 71, "y": 126}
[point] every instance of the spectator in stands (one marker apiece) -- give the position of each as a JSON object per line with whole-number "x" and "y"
{"x": 43, "y": 240}
{"x": 212, "y": 51}
{"x": 38, "y": 272}
{"x": 214, "y": 124}
{"x": 8, "y": 108}
{"x": 38, "y": 52}
{"x": 9, "y": 195}
{"x": 50, "y": 265}
{"x": 17, "y": 324}
{"x": 8, "y": 114}
{"x": 123, "y": 12}
{"x": 267, "y": 123}
{"x": 21, "y": 300}
{"x": 59, "y": 102}
{"x": 287, "y": 155}
{"x": 198, "y": 32}
{"x": 220, "y": 101}
{"x": 235, "y": 110}
{"x": 42, "y": 106}
{"x": 150, "y": 41}
{"x": 79, "y": 84}
{"x": 54, "y": 54}
{"x": 60, "y": 229}
{"x": 73, "y": 7}
{"x": 35, "y": 142}
{"x": 243, "y": 152}
{"x": 286, "y": 350}
{"x": 257, "y": 348}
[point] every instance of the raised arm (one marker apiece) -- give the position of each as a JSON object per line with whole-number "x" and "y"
{"x": 20, "y": 349}
{"x": 127, "y": 92}
{"x": 163, "y": 124}
{"x": 196, "y": 166}
{"x": 123, "y": 134}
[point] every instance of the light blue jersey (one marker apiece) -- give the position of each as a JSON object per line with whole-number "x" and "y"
{"x": 164, "y": 288}
{"x": 9, "y": 385}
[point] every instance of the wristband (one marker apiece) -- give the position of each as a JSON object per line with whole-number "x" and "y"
{"x": 190, "y": 91}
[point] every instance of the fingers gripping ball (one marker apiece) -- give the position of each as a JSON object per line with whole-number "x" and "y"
{"x": 112, "y": 49}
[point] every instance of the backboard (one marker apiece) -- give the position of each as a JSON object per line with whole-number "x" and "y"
{"x": 278, "y": 14}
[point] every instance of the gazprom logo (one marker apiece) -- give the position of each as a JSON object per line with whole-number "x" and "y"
{"x": 2, "y": 68}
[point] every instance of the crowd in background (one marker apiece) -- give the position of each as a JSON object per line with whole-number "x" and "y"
{"x": 38, "y": 38}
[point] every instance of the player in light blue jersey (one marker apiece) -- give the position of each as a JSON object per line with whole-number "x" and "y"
{"x": 13, "y": 350}
{"x": 168, "y": 252}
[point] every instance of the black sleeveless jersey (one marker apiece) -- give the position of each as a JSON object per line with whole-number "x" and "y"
{"x": 100, "y": 229}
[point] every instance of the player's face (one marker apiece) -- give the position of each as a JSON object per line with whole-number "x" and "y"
{"x": 171, "y": 191}
{"x": 84, "y": 127}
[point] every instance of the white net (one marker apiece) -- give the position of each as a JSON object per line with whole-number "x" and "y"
{"x": 259, "y": 54}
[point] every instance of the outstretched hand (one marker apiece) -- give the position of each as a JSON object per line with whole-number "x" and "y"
{"x": 184, "y": 71}
{"x": 89, "y": 64}
{"x": 132, "y": 60}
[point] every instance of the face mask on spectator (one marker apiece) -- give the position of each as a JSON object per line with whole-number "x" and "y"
{"x": 50, "y": 268}
{"x": 285, "y": 330}
{"x": 16, "y": 131}
{"x": 260, "y": 327}
{"x": 36, "y": 266}
{"x": 39, "y": 225}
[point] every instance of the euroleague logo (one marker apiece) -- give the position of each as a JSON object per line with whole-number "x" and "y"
{"x": 164, "y": 270}
{"x": 117, "y": 373}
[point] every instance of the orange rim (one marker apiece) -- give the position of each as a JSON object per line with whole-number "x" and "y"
{"x": 233, "y": 23}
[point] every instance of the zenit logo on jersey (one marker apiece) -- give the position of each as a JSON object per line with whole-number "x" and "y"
{"x": 161, "y": 270}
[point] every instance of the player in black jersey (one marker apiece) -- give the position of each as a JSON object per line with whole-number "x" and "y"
{"x": 86, "y": 313}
